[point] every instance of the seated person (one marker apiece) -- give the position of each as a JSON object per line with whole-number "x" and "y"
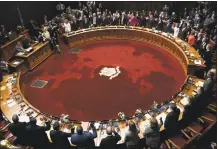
{"x": 26, "y": 42}
{"x": 18, "y": 129}
{"x": 59, "y": 138}
{"x": 111, "y": 140}
{"x": 152, "y": 133}
{"x": 19, "y": 47}
{"x": 171, "y": 123}
{"x": 84, "y": 139}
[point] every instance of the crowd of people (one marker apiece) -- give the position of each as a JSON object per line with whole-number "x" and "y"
{"x": 197, "y": 26}
{"x": 50, "y": 134}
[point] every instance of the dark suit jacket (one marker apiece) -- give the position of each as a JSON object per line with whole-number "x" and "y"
{"x": 208, "y": 87}
{"x": 85, "y": 140}
{"x": 60, "y": 139}
{"x": 171, "y": 122}
{"x": 110, "y": 141}
{"x": 36, "y": 136}
{"x": 18, "y": 130}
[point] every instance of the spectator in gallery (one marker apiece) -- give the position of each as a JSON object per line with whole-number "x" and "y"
{"x": 111, "y": 140}
{"x": 133, "y": 20}
{"x": 18, "y": 129}
{"x": 171, "y": 123}
{"x": 191, "y": 39}
{"x": 67, "y": 26}
{"x": 84, "y": 139}
{"x": 176, "y": 30}
{"x": 131, "y": 137}
{"x": 152, "y": 133}
{"x": 59, "y": 138}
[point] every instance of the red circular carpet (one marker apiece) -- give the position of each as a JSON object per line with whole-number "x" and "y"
{"x": 74, "y": 87}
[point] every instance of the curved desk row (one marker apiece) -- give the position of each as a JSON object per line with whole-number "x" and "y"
{"x": 188, "y": 57}
{"x": 14, "y": 102}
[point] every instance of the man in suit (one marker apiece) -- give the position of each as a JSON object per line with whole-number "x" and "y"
{"x": 208, "y": 84}
{"x": 18, "y": 129}
{"x": 84, "y": 140}
{"x": 171, "y": 123}
{"x": 36, "y": 136}
{"x": 59, "y": 138}
{"x": 111, "y": 140}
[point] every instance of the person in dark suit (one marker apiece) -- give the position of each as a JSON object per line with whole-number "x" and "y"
{"x": 208, "y": 84}
{"x": 18, "y": 129}
{"x": 36, "y": 136}
{"x": 26, "y": 42}
{"x": 59, "y": 138}
{"x": 188, "y": 113}
{"x": 171, "y": 123}
{"x": 84, "y": 140}
{"x": 111, "y": 140}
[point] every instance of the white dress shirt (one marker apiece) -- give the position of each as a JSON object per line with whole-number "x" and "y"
{"x": 67, "y": 27}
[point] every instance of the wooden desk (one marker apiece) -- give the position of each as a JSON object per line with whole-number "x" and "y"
{"x": 18, "y": 65}
{"x": 40, "y": 52}
{"x": 160, "y": 39}
{"x": 8, "y": 50}
{"x": 15, "y": 91}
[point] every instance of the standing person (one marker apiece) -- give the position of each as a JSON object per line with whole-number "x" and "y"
{"x": 59, "y": 138}
{"x": 110, "y": 142}
{"x": 152, "y": 134}
{"x": 131, "y": 138}
{"x": 84, "y": 140}
{"x": 176, "y": 30}
{"x": 171, "y": 123}
{"x": 36, "y": 136}
{"x": 18, "y": 129}
{"x": 67, "y": 26}
{"x": 191, "y": 39}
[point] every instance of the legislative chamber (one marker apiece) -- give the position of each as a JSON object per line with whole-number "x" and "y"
{"x": 89, "y": 78}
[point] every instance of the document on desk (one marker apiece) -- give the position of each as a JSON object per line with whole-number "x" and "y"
{"x": 16, "y": 63}
{"x": 2, "y": 88}
{"x": 199, "y": 83}
{"x": 163, "y": 115}
{"x": 197, "y": 62}
{"x": 148, "y": 116}
{"x": 184, "y": 101}
{"x": 12, "y": 104}
{"x": 24, "y": 118}
{"x": 85, "y": 125}
{"x": 20, "y": 53}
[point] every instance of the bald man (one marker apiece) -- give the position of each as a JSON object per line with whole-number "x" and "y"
{"x": 111, "y": 140}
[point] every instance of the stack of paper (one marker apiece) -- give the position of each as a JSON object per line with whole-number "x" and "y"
{"x": 162, "y": 115}
{"x": 148, "y": 116}
{"x": 12, "y": 104}
{"x": 20, "y": 53}
{"x": 184, "y": 101}
{"x": 197, "y": 62}
{"x": 24, "y": 118}
{"x": 16, "y": 62}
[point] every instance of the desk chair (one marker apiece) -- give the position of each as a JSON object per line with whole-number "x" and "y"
{"x": 182, "y": 140}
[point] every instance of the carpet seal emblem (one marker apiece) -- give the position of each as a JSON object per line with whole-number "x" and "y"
{"x": 110, "y": 72}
